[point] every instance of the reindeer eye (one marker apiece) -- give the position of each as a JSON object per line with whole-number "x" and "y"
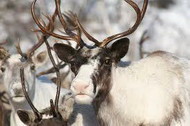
{"x": 107, "y": 61}
{"x": 32, "y": 67}
{"x": 3, "y": 69}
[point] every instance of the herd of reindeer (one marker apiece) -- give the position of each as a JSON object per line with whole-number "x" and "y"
{"x": 154, "y": 91}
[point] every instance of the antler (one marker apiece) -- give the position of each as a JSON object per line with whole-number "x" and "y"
{"x": 47, "y": 31}
{"x": 19, "y": 50}
{"x": 140, "y": 15}
{"x": 49, "y": 27}
{"x": 74, "y": 19}
{"x": 144, "y": 37}
{"x": 56, "y": 67}
{"x": 91, "y": 38}
{"x": 41, "y": 38}
{"x": 71, "y": 35}
{"x": 36, "y": 112}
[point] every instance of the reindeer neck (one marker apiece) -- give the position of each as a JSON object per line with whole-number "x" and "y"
{"x": 106, "y": 106}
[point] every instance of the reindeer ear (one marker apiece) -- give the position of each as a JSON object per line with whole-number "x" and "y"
{"x": 64, "y": 52}
{"x": 120, "y": 48}
{"x": 40, "y": 59}
{"x": 27, "y": 117}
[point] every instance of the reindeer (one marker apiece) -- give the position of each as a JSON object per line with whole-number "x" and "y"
{"x": 36, "y": 118}
{"x": 151, "y": 91}
{"x": 38, "y": 90}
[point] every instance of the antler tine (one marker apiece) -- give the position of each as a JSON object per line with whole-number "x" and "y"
{"x": 67, "y": 30}
{"x": 36, "y": 112}
{"x": 145, "y": 4}
{"x": 17, "y": 45}
{"x": 86, "y": 33}
{"x": 75, "y": 37}
{"x": 143, "y": 38}
{"x": 44, "y": 30}
{"x": 77, "y": 23}
{"x": 56, "y": 67}
{"x": 49, "y": 27}
{"x": 140, "y": 15}
{"x": 70, "y": 18}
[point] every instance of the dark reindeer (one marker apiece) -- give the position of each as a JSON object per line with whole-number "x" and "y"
{"x": 152, "y": 91}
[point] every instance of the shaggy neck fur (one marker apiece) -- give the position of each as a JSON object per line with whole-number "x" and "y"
{"x": 103, "y": 79}
{"x": 153, "y": 91}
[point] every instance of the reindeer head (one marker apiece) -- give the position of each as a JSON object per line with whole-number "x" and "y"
{"x": 92, "y": 65}
{"x": 11, "y": 78}
{"x": 10, "y": 68}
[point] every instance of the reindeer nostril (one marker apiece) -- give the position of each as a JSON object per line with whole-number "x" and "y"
{"x": 17, "y": 91}
{"x": 86, "y": 86}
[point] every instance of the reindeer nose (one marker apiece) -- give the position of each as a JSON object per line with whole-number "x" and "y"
{"x": 80, "y": 87}
{"x": 17, "y": 91}
{"x": 17, "y": 88}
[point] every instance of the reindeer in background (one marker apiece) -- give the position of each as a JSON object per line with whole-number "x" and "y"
{"x": 152, "y": 91}
{"x": 52, "y": 117}
{"x": 37, "y": 89}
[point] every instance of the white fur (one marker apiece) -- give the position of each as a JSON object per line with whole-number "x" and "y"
{"x": 84, "y": 78}
{"x": 83, "y": 116}
{"x": 146, "y": 91}
{"x": 39, "y": 92}
{"x": 65, "y": 72}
